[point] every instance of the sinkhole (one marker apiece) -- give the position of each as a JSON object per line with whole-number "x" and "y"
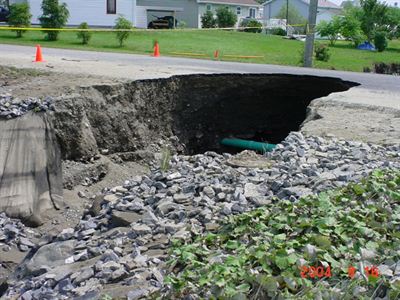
{"x": 263, "y": 108}
{"x": 200, "y": 110}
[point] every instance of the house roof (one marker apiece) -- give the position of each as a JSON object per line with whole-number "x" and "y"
{"x": 325, "y": 4}
{"x": 234, "y": 2}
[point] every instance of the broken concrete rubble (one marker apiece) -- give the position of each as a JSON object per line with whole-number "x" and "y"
{"x": 111, "y": 258}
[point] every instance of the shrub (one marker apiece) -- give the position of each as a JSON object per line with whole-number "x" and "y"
{"x": 390, "y": 68}
{"x": 380, "y": 41}
{"x": 84, "y": 36}
{"x": 19, "y": 17}
{"x": 251, "y": 23}
{"x": 122, "y": 23}
{"x": 208, "y": 20}
{"x": 54, "y": 15}
{"x": 322, "y": 52}
{"x": 278, "y": 31}
{"x": 226, "y": 17}
{"x": 330, "y": 29}
{"x": 350, "y": 29}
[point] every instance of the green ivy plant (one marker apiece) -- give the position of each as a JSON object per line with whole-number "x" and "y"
{"x": 257, "y": 255}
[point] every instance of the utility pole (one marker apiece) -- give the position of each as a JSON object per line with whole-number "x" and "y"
{"x": 309, "y": 47}
{"x": 287, "y": 16}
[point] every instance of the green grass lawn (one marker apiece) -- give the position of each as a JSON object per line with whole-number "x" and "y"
{"x": 274, "y": 49}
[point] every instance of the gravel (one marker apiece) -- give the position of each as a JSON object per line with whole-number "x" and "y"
{"x": 126, "y": 243}
{"x": 12, "y": 107}
{"x": 14, "y": 233}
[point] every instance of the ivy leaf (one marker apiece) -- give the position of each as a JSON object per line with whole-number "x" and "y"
{"x": 322, "y": 241}
{"x": 281, "y": 262}
{"x": 358, "y": 189}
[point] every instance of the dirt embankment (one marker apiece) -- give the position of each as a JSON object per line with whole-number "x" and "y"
{"x": 197, "y": 110}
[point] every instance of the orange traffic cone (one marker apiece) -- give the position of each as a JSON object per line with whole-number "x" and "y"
{"x": 39, "y": 57}
{"x": 156, "y": 50}
{"x": 216, "y": 54}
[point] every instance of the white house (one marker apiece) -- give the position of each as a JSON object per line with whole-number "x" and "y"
{"x": 94, "y": 12}
{"x": 141, "y": 12}
{"x": 326, "y": 9}
{"x": 242, "y": 8}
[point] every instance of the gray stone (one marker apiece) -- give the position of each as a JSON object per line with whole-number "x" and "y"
{"x": 300, "y": 152}
{"x": 164, "y": 207}
{"x": 51, "y": 255}
{"x": 209, "y": 191}
{"x": 174, "y": 176}
{"x": 384, "y": 270}
{"x": 227, "y": 209}
{"x": 221, "y": 196}
{"x": 182, "y": 234}
{"x": 122, "y": 218}
{"x": 181, "y": 198}
{"x": 137, "y": 294}
{"x": 251, "y": 190}
{"x": 149, "y": 218}
{"x": 84, "y": 275}
{"x": 296, "y": 191}
{"x": 111, "y": 198}
{"x": 141, "y": 229}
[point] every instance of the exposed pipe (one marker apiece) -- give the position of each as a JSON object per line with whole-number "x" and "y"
{"x": 250, "y": 145}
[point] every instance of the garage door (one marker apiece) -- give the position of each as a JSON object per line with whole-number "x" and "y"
{"x": 141, "y": 16}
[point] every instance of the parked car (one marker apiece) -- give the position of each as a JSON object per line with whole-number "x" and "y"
{"x": 4, "y": 12}
{"x": 166, "y": 22}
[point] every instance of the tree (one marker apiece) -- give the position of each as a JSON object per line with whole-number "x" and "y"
{"x": 84, "y": 36}
{"x": 350, "y": 29}
{"x": 208, "y": 20}
{"x": 393, "y": 16}
{"x": 226, "y": 18}
{"x": 124, "y": 24}
{"x": 373, "y": 18}
{"x": 330, "y": 29}
{"x": 294, "y": 16}
{"x": 19, "y": 17}
{"x": 54, "y": 15}
{"x": 347, "y": 4}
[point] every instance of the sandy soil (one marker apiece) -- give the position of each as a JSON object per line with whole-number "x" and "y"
{"x": 362, "y": 119}
{"x": 24, "y": 83}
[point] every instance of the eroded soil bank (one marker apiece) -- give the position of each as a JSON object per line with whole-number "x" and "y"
{"x": 196, "y": 110}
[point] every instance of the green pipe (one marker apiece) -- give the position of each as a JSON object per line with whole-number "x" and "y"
{"x": 250, "y": 145}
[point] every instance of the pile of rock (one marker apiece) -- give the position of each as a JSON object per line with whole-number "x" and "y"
{"x": 12, "y": 108}
{"x": 120, "y": 248}
{"x": 14, "y": 234}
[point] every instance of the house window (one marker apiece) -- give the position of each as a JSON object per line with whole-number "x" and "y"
{"x": 252, "y": 13}
{"x": 209, "y": 7}
{"x": 111, "y": 7}
{"x": 238, "y": 10}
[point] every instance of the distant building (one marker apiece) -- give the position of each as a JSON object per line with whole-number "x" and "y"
{"x": 326, "y": 9}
